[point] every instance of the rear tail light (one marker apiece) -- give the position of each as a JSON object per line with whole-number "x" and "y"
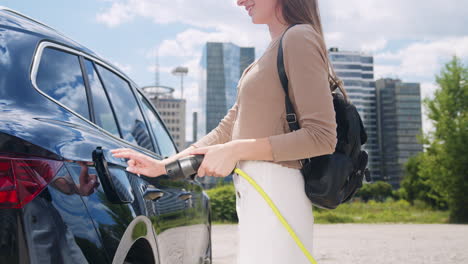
{"x": 23, "y": 177}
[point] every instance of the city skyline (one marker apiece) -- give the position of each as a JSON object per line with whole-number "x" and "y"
{"x": 405, "y": 43}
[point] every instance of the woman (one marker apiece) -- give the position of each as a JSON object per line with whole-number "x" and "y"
{"x": 255, "y": 137}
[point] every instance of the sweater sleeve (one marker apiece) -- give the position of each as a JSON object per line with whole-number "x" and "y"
{"x": 311, "y": 97}
{"x": 221, "y": 133}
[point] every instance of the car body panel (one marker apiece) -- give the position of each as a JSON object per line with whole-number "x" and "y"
{"x": 65, "y": 224}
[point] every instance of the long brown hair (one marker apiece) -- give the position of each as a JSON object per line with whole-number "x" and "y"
{"x": 307, "y": 12}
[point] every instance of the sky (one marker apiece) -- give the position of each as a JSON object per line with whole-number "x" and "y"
{"x": 410, "y": 40}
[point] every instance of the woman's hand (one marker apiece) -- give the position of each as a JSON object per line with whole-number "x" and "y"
{"x": 219, "y": 160}
{"x": 139, "y": 163}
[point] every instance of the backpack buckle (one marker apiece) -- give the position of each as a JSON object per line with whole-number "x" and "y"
{"x": 292, "y": 116}
{"x": 301, "y": 161}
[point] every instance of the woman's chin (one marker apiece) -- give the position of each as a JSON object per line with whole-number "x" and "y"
{"x": 255, "y": 20}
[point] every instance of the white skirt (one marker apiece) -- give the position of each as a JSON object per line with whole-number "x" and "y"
{"x": 262, "y": 237}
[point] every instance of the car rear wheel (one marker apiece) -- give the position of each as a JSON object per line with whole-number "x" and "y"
{"x": 141, "y": 253}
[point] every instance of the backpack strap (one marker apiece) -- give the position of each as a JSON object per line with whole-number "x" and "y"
{"x": 290, "y": 114}
{"x": 291, "y": 117}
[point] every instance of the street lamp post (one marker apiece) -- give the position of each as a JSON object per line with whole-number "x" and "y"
{"x": 181, "y": 71}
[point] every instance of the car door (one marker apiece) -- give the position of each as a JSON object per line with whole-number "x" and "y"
{"x": 171, "y": 209}
{"x": 196, "y": 202}
{"x": 197, "y": 228}
{"x": 59, "y": 74}
{"x": 117, "y": 204}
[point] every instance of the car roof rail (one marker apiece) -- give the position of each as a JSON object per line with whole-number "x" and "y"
{"x": 28, "y": 18}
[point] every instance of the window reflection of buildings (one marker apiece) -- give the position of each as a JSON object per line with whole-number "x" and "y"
{"x": 140, "y": 133}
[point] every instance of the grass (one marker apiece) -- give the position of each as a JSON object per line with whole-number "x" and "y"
{"x": 376, "y": 212}
{"x": 380, "y": 212}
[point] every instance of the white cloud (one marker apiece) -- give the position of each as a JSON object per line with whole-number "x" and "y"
{"x": 357, "y": 23}
{"x": 433, "y": 29}
{"x": 227, "y": 20}
{"x": 370, "y": 25}
{"x": 117, "y": 14}
{"x": 373, "y": 46}
{"x": 206, "y": 13}
{"x": 188, "y": 43}
{"x": 416, "y": 19}
{"x": 420, "y": 60}
{"x": 165, "y": 69}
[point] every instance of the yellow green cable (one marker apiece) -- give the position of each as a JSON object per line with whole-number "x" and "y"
{"x": 277, "y": 212}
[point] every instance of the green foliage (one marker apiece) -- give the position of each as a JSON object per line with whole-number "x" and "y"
{"x": 445, "y": 162}
{"x": 378, "y": 190}
{"x": 332, "y": 217}
{"x": 223, "y": 203}
{"x": 391, "y": 211}
{"x": 400, "y": 194}
{"x": 415, "y": 186}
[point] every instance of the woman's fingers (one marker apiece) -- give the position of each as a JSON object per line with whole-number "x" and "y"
{"x": 201, "y": 170}
{"x": 138, "y": 163}
{"x": 127, "y": 155}
{"x": 131, "y": 163}
{"x": 125, "y": 150}
{"x": 120, "y": 150}
{"x": 202, "y": 150}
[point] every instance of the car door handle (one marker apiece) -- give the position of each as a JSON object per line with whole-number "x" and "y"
{"x": 115, "y": 190}
{"x": 151, "y": 193}
{"x": 185, "y": 196}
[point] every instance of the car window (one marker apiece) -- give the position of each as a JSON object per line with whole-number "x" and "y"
{"x": 165, "y": 144}
{"x": 102, "y": 110}
{"x": 59, "y": 76}
{"x": 128, "y": 114}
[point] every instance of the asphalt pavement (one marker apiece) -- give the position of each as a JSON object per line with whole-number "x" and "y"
{"x": 369, "y": 243}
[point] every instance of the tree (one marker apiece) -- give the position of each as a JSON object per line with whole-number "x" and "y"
{"x": 417, "y": 187}
{"x": 378, "y": 191}
{"x": 445, "y": 161}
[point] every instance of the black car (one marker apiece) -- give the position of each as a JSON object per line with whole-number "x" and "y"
{"x": 63, "y": 197}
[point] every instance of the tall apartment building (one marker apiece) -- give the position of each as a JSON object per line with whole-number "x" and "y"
{"x": 400, "y": 120}
{"x": 356, "y": 70}
{"x": 172, "y": 111}
{"x": 221, "y": 66}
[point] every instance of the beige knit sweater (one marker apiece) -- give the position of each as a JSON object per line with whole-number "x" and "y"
{"x": 260, "y": 109}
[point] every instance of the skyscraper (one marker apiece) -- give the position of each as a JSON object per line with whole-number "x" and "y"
{"x": 221, "y": 67}
{"x": 400, "y": 120}
{"x": 356, "y": 70}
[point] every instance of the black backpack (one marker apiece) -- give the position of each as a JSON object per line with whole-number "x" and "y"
{"x": 334, "y": 178}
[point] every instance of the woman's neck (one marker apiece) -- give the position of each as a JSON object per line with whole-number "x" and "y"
{"x": 276, "y": 29}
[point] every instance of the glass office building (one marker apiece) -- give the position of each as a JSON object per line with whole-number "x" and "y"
{"x": 400, "y": 120}
{"x": 221, "y": 66}
{"x": 356, "y": 70}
